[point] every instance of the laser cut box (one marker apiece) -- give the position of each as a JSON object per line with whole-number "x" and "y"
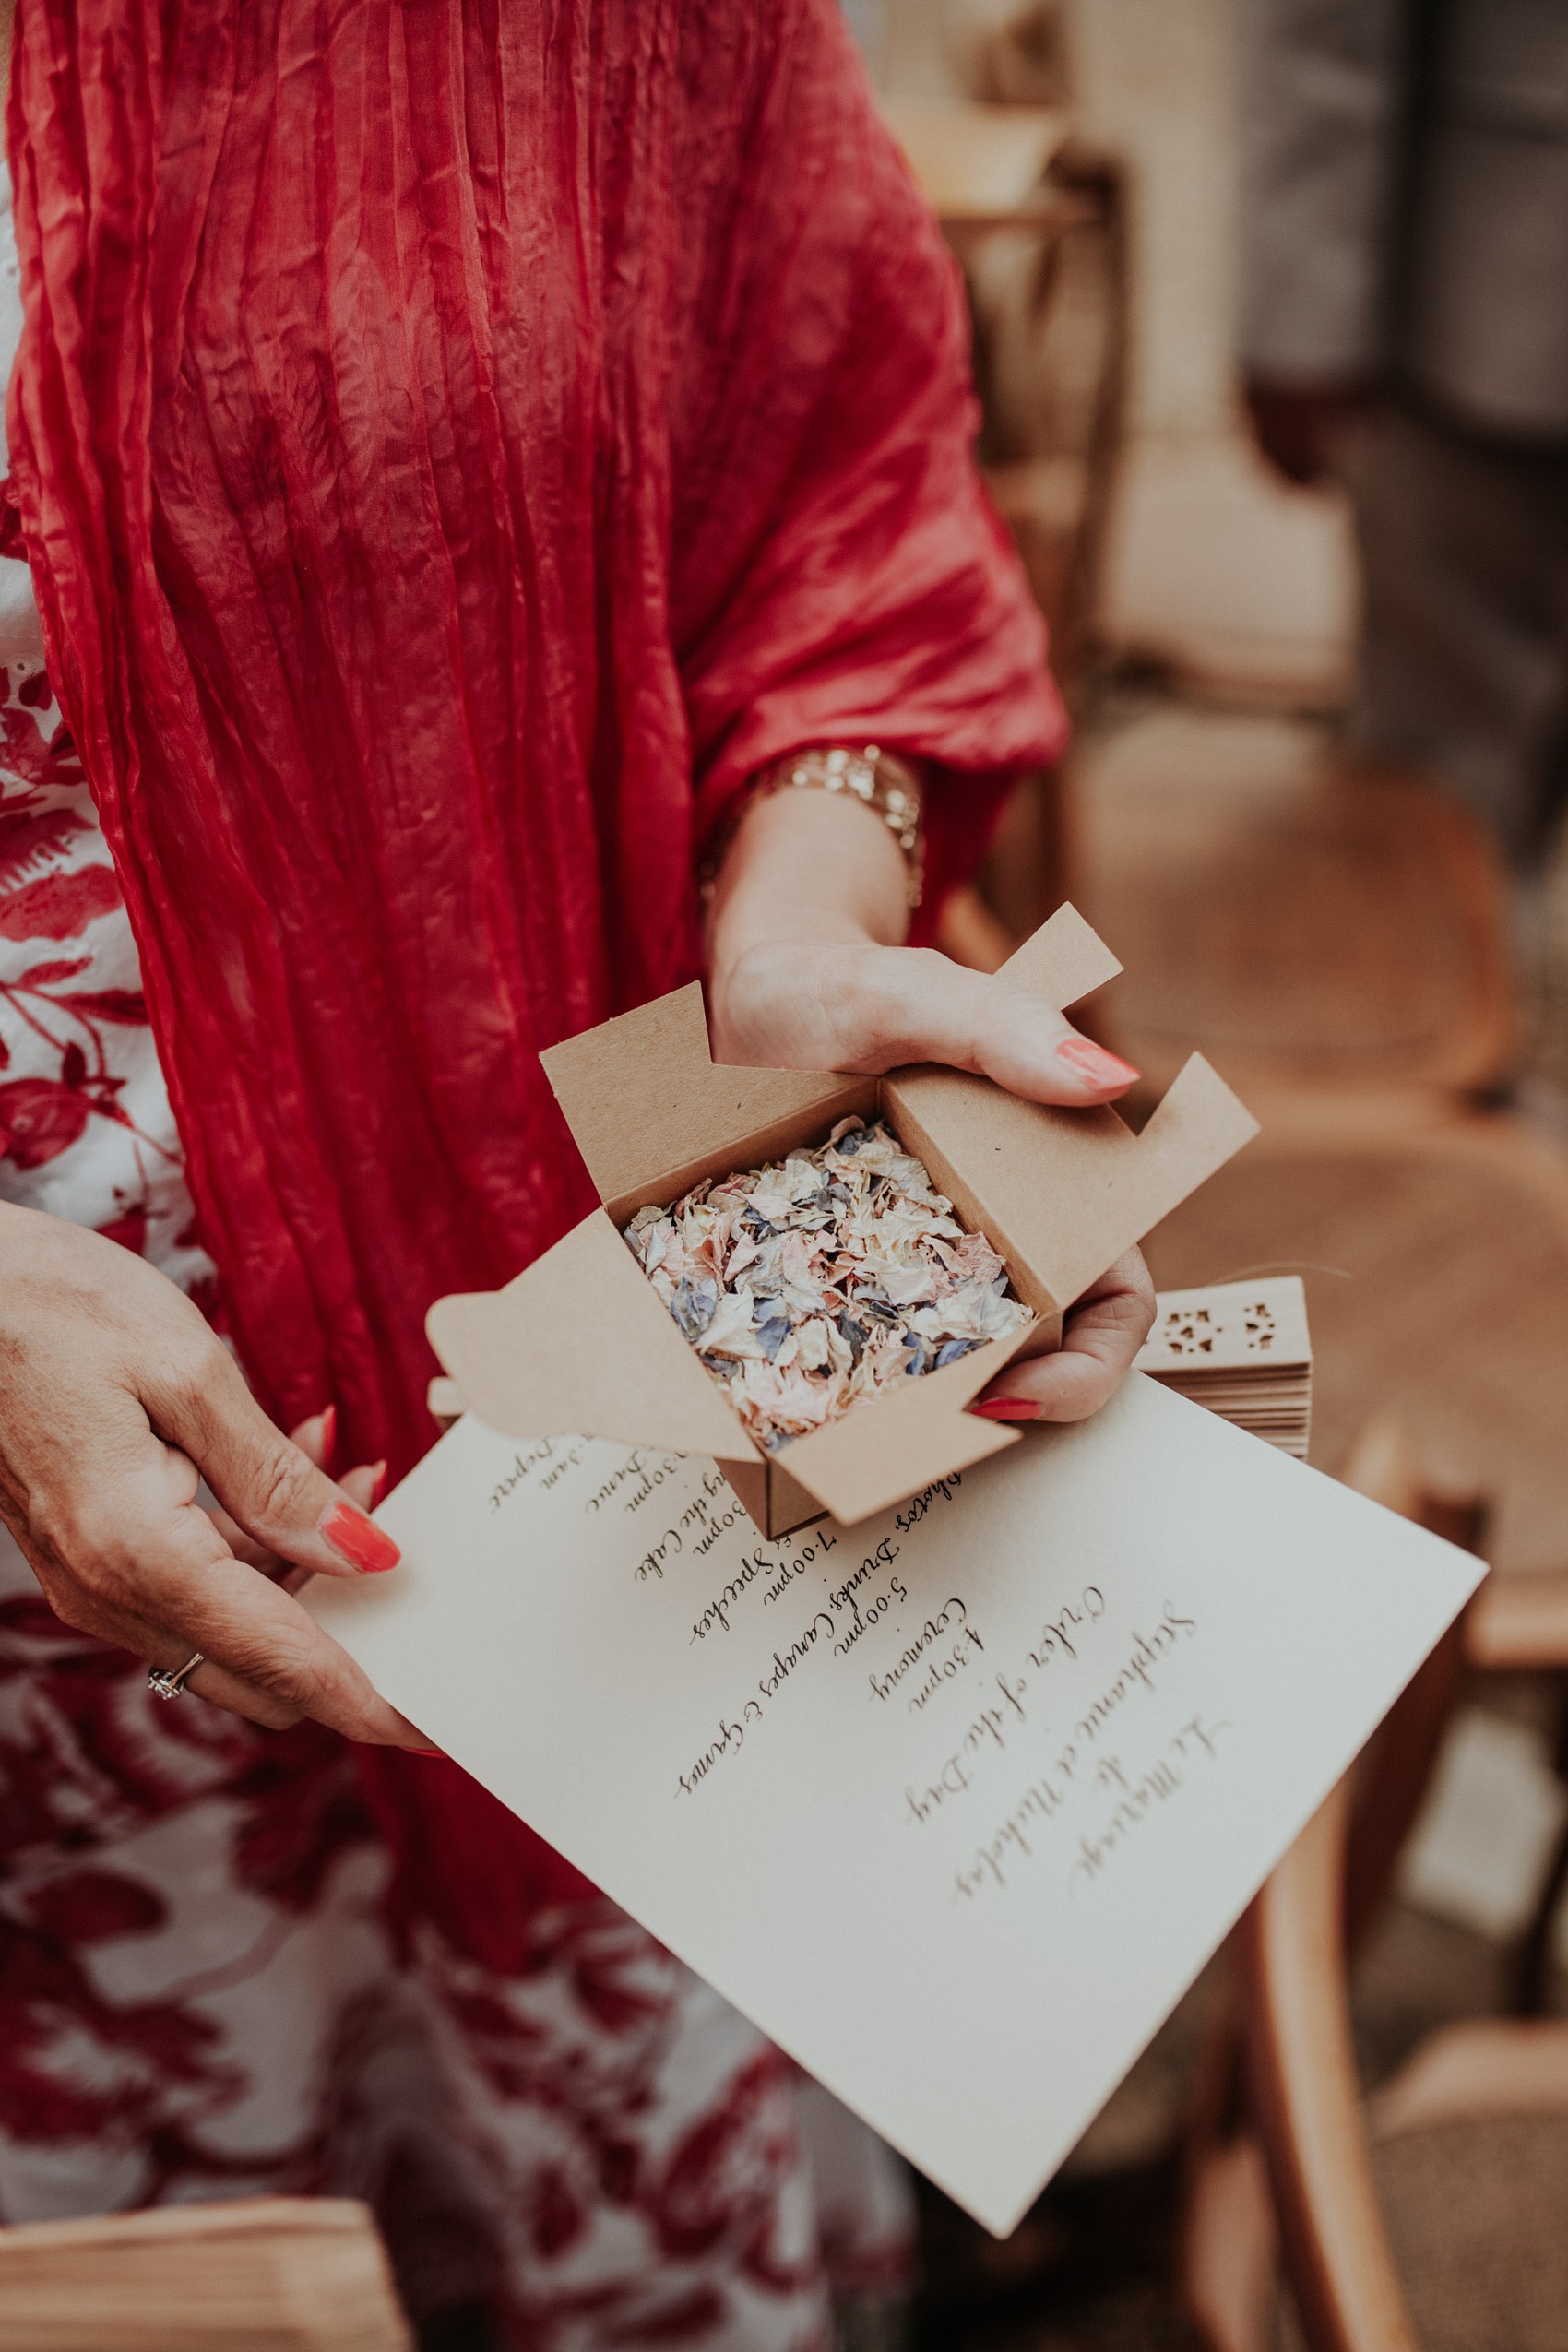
{"x": 1060, "y": 1193}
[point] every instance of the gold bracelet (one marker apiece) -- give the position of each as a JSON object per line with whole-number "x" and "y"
{"x": 885, "y": 784}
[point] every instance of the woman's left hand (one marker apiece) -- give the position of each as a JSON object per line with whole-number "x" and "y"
{"x": 805, "y": 973}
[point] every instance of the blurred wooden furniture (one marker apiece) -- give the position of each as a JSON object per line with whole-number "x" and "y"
{"x": 1315, "y": 930}
{"x": 1337, "y": 943}
{"x": 1431, "y": 2218}
{"x": 267, "y": 2275}
{"x": 1050, "y": 307}
{"x": 1435, "y": 1260}
{"x": 1519, "y": 1624}
{"x": 1037, "y": 223}
{"x": 981, "y": 166}
{"x": 1051, "y": 362}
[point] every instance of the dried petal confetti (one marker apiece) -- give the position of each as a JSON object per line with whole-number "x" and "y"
{"x": 812, "y": 1283}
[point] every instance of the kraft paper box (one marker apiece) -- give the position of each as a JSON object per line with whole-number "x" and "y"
{"x": 1060, "y": 1193}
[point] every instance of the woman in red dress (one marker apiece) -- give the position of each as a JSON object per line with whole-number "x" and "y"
{"x": 462, "y": 451}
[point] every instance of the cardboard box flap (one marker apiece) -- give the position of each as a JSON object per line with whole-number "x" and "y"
{"x": 580, "y": 1344}
{"x": 1198, "y": 1126}
{"x": 902, "y": 1439}
{"x": 1066, "y": 1192}
{"x": 1064, "y": 959}
{"x": 644, "y": 1097}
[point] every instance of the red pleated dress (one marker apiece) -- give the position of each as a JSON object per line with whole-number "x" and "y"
{"x": 458, "y": 443}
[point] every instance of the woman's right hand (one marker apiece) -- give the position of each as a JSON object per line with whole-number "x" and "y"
{"x": 116, "y": 1400}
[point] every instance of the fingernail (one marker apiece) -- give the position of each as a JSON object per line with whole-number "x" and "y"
{"x": 328, "y": 1431}
{"x": 1007, "y": 1408}
{"x": 378, "y": 1482}
{"x": 425, "y": 1751}
{"x": 358, "y": 1540}
{"x": 1092, "y": 1061}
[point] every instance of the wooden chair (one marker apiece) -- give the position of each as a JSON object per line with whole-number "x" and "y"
{"x": 1036, "y": 220}
{"x": 982, "y": 167}
{"x": 1435, "y": 1262}
{"x": 1037, "y": 223}
{"x": 264, "y": 2275}
{"x": 1050, "y": 364}
{"x": 1429, "y": 2219}
{"x": 1330, "y": 937}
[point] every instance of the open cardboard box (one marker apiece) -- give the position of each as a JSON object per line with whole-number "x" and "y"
{"x": 1060, "y": 1193}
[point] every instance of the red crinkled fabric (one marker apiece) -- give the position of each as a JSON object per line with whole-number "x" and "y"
{"x": 457, "y": 444}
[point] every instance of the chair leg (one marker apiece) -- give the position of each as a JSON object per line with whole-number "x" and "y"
{"x": 1532, "y": 1957}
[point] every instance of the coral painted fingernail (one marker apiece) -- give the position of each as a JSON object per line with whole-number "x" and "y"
{"x": 425, "y": 1751}
{"x": 358, "y": 1540}
{"x": 1007, "y": 1408}
{"x": 328, "y": 1431}
{"x": 1088, "y": 1060}
{"x": 378, "y": 1482}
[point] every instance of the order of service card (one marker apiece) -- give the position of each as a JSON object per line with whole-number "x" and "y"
{"x": 954, "y": 1804}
